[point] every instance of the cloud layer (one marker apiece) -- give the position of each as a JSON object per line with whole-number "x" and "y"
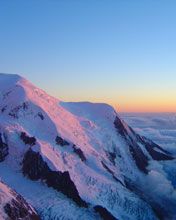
{"x": 161, "y": 127}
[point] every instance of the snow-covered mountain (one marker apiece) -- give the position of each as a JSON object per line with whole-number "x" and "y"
{"x": 80, "y": 160}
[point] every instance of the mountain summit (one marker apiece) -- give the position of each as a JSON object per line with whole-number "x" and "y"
{"x": 80, "y": 160}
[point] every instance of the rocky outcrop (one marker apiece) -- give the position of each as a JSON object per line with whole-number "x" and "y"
{"x": 15, "y": 111}
{"x": 18, "y": 208}
{"x": 137, "y": 154}
{"x": 14, "y": 207}
{"x": 60, "y": 141}
{"x": 3, "y": 149}
{"x": 40, "y": 115}
{"x": 156, "y": 152}
{"x": 120, "y": 127}
{"x": 112, "y": 156}
{"x": 79, "y": 152}
{"x": 104, "y": 213}
{"x": 133, "y": 140}
{"x": 139, "y": 157}
{"x": 27, "y": 140}
{"x": 36, "y": 168}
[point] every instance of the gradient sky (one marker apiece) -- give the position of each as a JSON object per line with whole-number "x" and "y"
{"x": 122, "y": 52}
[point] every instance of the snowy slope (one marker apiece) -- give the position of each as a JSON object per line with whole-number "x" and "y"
{"x": 89, "y": 158}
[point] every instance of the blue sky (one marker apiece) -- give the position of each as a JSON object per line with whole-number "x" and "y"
{"x": 122, "y": 52}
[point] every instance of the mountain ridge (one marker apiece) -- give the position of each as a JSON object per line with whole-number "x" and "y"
{"x": 100, "y": 159}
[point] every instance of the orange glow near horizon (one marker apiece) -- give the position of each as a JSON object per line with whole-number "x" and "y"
{"x": 152, "y": 105}
{"x": 142, "y": 101}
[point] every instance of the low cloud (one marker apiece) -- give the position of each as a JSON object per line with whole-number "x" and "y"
{"x": 161, "y": 128}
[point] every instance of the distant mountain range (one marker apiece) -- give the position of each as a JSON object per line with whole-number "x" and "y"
{"x": 73, "y": 161}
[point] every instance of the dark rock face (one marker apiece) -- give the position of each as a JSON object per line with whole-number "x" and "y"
{"x": 157, "y": 155}
{"x": 18, "y": 208}
{"x": 104, "y": 213}
{"x": 3, "y": 109}
{"x": 25, "y": 105}
{"x": 139, "y": 157}
{"x": 41, "y": 116}
{"x": 120, "y": 127}
{"x": 112, "y": 156}
{"x": 27, "y": 140}
{"x": 60, "y": 141}
{"x": 152, "y": 148}
{"x": 156, "y": 146}
{"x": 3, "y": 149}
{"x": 79, "y": 152}
{"x": 15, "y": 111}
{"x": 35, "y": 168}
